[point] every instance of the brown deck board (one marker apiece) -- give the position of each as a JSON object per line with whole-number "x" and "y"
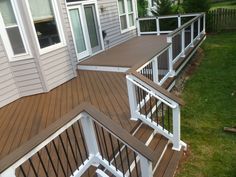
{"x": 26, "y": 117}
{"x": 130, "y": 52}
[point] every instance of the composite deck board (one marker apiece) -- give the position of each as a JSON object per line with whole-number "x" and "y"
{"x": 26, "y": 117}
{"x": 130, "y": 52}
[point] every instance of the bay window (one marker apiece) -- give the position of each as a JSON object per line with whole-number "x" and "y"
{"x": 126, "y": 14}
{"x": 45, "y": 22}
{"x": 11, "y": 32}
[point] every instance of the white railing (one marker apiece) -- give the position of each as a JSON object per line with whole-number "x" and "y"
{"x": 180, "y": 39}
{"x": 148, "y": 102}
{"x": 81, "y": 139}
{"x": 159, "y": 68}
{"x": 152, "y": 105}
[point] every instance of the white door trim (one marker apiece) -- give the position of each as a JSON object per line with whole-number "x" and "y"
{"x": 80, "y": 5}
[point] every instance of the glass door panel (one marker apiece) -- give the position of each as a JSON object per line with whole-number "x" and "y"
{"x": 92, "y": 25}
{"x": 78, "y": 32}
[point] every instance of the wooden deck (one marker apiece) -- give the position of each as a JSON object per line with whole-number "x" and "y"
{"x": 129, "y": 53}
{"x": 26, "y": 117}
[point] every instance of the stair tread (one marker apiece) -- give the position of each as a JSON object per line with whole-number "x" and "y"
{"x": 173, "y": 164}
{"x": 169, "y": 163}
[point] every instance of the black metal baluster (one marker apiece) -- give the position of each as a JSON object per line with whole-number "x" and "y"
{"x": 136, "y": 165}
{"x": 127, "y": 156}
{"x": 32, "y": 166}
{"x": 145, "y": 106}
{"x": 122, "y": 165}
{"x": 23, "y": 172}
{"x": 72, "y": 150}
{"x": 41, "y": 161}
{"x": 59, "y": 158}
{"x": 168, "y": 114}
{"x": 50, "y": 159}
{"x": 104, "y": 139}
{"x": 99, "y": 141}
{"x": 139, "y": 97}
{"x": 150, "y": 102}
{"x": 157, "y": 112}
{"x": 64, "y": 149}
{"x": 162, "y": 115}
{"x": 113, "y": 152}
{"x": 83, "y": 141}
{"x": 77, "y": 144}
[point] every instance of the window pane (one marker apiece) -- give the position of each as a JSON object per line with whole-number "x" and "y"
{"x": 41, "y": 10}
{"x": 131, "y": 20}
{"x": 45, "y": 23}
{"x": 130, "y": 6}
{"x": 121, "y": 6}
{"x": 123, "y": 22}
{"x": 7, "y": 12}
{"x": 16, "y": 40}
{"x": 78, "y": 32}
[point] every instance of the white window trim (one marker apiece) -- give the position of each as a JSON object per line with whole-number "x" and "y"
{"x": 5, "y": 38}
{"x": 129, "y": 28}
{"x": 59, "y": 28}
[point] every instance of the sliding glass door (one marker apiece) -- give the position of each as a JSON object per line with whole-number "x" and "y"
{"x": 85, "y": 30}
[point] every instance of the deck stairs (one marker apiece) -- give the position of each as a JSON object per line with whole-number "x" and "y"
{"x": 166, "y": 159}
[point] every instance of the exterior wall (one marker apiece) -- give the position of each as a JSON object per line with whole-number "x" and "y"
{"x": 8, "y": 88}
{"x": 43, "y": 72}
{"x": 110, "y": 23}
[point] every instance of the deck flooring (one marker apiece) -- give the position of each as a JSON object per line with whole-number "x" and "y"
{"x": 26, "y": 117}
{"x": 127, "y": 54}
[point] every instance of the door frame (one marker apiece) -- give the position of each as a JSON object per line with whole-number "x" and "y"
{"x": 80, "y": 5}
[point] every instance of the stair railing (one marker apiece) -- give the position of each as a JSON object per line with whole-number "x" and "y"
{"x": 83, "y": 138}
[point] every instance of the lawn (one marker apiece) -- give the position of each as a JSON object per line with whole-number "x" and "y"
{"x": 210, "y": 96}
{"x": 225, "y": 4}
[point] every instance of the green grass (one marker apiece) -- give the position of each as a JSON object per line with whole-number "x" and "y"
{"x": 225, "y": 4}
{"x": 210, "y": 96}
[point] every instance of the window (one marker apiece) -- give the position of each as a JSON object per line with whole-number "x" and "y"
{"x": 126, "y": 13}
{"x": 45, "y": 23}
{"x": 11, "y": 34}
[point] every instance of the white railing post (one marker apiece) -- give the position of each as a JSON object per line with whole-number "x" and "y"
{"x": 158, "y": 26}
{"x": 192, "y": 34}
{"x": 132, "y": 99}
{"x": 204, "y": 23}
{"x": 89, "y": 135}
{"x": 183, "y": 42}
{"x": 10, "y": 172}
{"x": 176, "y": 128}
{"x": 170, "y": 57}
{"x": 146, "y": 167}
{"x": 138, "y": 27}
{"x": 155, "y": 70}
{"x": 198, "y": 28}
{"x": 179, "y": 21}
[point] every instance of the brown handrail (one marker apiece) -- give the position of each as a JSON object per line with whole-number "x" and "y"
{"x": 96, "y": 115}
{"x": 177, "y": 30}
{"x": 158, "y": 88}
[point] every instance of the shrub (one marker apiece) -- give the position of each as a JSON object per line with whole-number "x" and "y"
{"x": 196, "y": 6}
{"x": 142, "y": 8}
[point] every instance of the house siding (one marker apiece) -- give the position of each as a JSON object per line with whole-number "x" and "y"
{"x": 110, "y": 23}
{"x": 44, "y": 72}
{"x": 59, "y": 65}
{"x": 8, "y": 88}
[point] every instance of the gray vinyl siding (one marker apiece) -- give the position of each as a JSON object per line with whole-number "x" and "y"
{"x": 27, "y": 77}
{"x": 59, "y": 65}
{"x": 8, "y": 88}
{"x": 109, "y": 19}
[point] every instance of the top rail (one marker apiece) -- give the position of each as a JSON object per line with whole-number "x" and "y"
{"x": 176, "y": 31}
{"x": 96, "y": 115}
